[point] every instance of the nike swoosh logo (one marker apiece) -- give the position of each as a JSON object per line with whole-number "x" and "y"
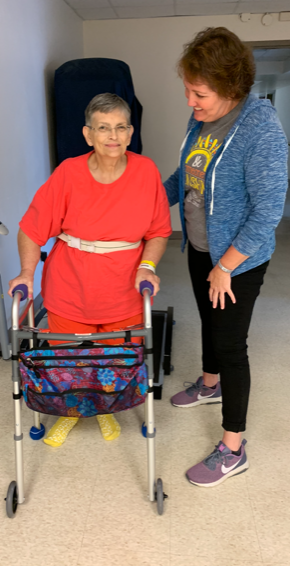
{"x": 199, "y": 396}
{"x": 226, "y": 470}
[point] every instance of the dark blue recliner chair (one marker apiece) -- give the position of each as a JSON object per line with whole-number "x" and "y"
{"x": 76, "y": 83}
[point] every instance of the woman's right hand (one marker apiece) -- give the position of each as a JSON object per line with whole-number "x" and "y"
{"x": 144, "y": 274}
{"x": 24, "y": 278}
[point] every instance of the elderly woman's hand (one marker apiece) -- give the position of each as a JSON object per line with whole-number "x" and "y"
{"x": 144, "y": 274}
{"x": 25, "y": 278}
{"x": 220, "y": 283}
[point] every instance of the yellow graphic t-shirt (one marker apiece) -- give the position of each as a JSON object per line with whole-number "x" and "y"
{"x": 196, "y": 163}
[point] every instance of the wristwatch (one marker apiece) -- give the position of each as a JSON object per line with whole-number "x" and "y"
{"x": 224, "y": 269}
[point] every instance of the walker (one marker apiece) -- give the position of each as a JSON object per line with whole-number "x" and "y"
{"x": 15, "y": 494}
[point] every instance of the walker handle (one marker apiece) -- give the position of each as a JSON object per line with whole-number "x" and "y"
{"x": 23, "y": 290}
{"x": 146, "y": 285}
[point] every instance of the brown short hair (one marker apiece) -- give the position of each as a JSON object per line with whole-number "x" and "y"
{"x": 222, "y": 60}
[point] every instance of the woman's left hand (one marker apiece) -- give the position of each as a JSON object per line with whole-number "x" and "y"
{"x": 144, "y": 274}
{"x": 220, "y": 283}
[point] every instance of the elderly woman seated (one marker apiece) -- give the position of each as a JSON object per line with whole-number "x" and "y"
{"x": 109, "y": 212}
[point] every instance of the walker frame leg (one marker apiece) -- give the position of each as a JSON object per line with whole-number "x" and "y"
{"x": 36, "y": 417}
{"x": 149, "y": 406}
{"x": 155, "y": 488}
{"x": 18, "y": 434}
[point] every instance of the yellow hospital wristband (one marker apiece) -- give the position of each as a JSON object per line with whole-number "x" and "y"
{"x": 149, "y": 262}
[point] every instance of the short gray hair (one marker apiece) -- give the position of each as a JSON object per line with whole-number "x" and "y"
{"x": 106, "y": 103}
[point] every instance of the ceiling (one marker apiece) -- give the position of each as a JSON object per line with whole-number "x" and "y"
{"x": 118, "y": 9}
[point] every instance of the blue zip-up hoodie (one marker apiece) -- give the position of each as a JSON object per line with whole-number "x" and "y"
{"x": 245, "y": 185}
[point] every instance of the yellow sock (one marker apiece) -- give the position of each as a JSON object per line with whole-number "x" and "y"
{"x": 109, "y": 426}
{"x": 58, "y": 433}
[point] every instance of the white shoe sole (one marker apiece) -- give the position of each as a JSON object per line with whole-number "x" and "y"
{"x": 241, "y": 469}
{"x": 206, "y": 401}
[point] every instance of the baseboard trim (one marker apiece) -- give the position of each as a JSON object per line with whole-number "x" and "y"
{"x": 176, "y": 235}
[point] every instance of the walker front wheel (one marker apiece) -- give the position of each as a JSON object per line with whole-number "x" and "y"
{"x": 160, "y": 496}
{"x": 12, "y": 500}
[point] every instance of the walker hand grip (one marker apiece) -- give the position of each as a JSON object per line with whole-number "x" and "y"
{"x": 146, "y": 285}
{"x": 23, "y": 289}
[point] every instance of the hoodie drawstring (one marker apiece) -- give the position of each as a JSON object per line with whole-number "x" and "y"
{"x": 213, "y": 173}
{"x": 182, "y": 147}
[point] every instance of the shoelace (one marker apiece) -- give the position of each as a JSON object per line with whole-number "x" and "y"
{"x": 191, "y": 386}
{"x": 216, "y": 457}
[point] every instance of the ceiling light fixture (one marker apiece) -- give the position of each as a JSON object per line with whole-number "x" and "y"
{"x": 267, "y": 19}
{"x": 245, "y": 17}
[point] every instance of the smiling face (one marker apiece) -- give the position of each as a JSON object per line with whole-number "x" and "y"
{"x": 109, "y": 134}
{"x": 207, "y": 105}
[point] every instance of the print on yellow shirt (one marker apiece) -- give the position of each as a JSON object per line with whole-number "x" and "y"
{"x": 197, "y": 162}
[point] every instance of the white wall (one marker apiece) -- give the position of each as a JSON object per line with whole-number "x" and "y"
{"x": 151, "y": 48}
{"x": 36, "y": 36}
{"x": 282, "y": 104}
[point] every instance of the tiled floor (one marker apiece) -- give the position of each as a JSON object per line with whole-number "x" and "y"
{"x": 86, "y": 503}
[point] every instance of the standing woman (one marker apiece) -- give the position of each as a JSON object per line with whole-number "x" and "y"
{"x": 230, "y": 184}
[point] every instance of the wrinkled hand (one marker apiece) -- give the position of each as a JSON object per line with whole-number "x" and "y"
{"x": 220, "y": 283}
{"x": 144, "y": 274}
{"x": 24, "y": 278}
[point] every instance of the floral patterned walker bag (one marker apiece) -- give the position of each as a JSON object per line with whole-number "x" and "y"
{"x": 83, "y": 382}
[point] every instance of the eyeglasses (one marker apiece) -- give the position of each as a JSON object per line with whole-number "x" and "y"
{"x": 103, "y": 130}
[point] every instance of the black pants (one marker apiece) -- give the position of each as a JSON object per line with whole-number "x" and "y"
{"x": 224, "y": 334}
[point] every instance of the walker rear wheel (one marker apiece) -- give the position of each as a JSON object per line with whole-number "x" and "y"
{"x": 12, "y": 500}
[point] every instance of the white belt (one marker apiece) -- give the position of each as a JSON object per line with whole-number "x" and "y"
{"x": 97, "y": 247}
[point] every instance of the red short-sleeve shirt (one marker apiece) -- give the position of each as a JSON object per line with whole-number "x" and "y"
{"x": 88, "y": 287}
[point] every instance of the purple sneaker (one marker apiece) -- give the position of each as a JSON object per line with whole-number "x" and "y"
{"x": 218, "y": 466}
{"x": 197, "y": 394}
